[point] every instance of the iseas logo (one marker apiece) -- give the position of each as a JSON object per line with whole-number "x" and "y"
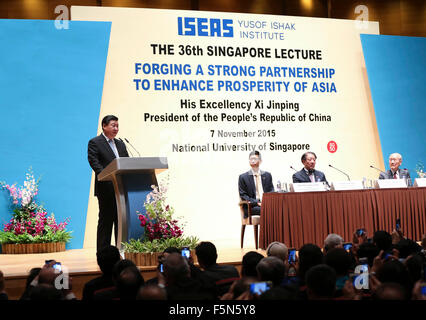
{"x": 205, "y": 27}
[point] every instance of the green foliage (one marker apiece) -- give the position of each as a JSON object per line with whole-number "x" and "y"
{"x": 48, "y": 237}
{"x": 159, "y": 245}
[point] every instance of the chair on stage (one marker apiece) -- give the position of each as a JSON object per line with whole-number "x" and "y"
{"x": 250, "y": 220}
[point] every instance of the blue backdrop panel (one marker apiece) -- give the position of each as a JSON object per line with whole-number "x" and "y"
{"x": 50, "y": 95}
{"x": 396, "y": 68}
{"x": 137, "y": 187}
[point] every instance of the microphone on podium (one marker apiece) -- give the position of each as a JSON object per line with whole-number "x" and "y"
{"x": 339, "y": 171}
{"x": 293, "y": 168}
{"x": 378, "y": 169}
{"x": 132, "y": 146}
{"x": 125, "y": 144}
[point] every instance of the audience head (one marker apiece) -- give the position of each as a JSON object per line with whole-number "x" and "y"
{"x": 278, "y": 293}
{"x": 168, "y": 251}
{"x": 206, "y": 254}
{"x": 395, "y": 271}
{"x": 309, "y": 255}
{"x": 249, "y": 263}
{"x": 47, "y": 276}
{"x": 415, "y": 266}
{"x": 119, "y": 267}
{"x": 333, "y": 240}
{"x": 44, "y": 292}
{"x": 321, "y": 282}
{"x": 277, "y": 249}
{"x": 151, "y": 292}
{"x": 176, "y": 268}
{"x": 340, "y": 260}
{"x": 407, "y": 247}
{"x": 383, "y": 240}
{"x": 32, "y": 275}
{"x": 369, "y": 251}
{"x": 128, "y": 283}
{"x": 390, "y": 291}
{"x": 107, "y": 257}
{"x": 271, "y": 269}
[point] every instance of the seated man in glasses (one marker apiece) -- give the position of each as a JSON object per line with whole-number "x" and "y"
{"x": 254, "y": 183}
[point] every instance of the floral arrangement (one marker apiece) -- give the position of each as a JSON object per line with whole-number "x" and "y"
{"x": 30, "y": 222}
{"x": 161, "y": 229}
{"x": 420, "y": 169}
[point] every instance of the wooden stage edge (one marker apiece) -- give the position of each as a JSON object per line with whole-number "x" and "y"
{"x": 82, "y": 266}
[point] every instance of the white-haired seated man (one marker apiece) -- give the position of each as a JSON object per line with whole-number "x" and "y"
{"x": 333, "y": 240}
{"x": 395, "y": 172}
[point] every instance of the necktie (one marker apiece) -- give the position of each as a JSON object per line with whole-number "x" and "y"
{"x": 113, "y": 147}
{"x": 394, "y": 175}
{"x": 312, "y": 177}
{"x": 257, "y": 186}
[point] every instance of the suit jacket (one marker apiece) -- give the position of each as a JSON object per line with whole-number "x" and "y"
{"x": 100, "y": 154}
{"x": 302, "y": 176}
{"x": 247, "y": 186}
{"x": 403, "y": 173}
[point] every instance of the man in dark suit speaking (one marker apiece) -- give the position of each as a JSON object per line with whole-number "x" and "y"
{"x": 308, "y": 173}
{"x": 254, "y": 183}
{"x": 100, "y": 152}
{"x": 395, "y": 160}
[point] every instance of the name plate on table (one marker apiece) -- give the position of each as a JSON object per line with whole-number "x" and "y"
{"x": 347, "y": 185}
{"x": 307, "y": 187}
{"x": 391, "y": 183}
{"x": 420, "y": 182}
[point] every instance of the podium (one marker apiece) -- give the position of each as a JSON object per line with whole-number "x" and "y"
{"x": 132, "y": 179}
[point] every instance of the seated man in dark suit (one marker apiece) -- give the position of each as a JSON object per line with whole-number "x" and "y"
{"x": 308, "y": 173}
{"x": 254, "y": 183}
{"x": 221, "y": 275}
{"x": 395, "y": 160}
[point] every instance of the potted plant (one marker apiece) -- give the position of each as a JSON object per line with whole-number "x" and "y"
{"x": 31, "y": 229}
{"x": 160, "y": 228}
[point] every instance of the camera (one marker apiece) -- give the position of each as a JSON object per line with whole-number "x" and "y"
{"x": 360, "y": 232}
{"x": 347, "y": 246}
{"x": 186, "y": 253}
{"x": 57, "y": 266}
{"x": 260, "y": 287}
{"x": 291, "y": 255}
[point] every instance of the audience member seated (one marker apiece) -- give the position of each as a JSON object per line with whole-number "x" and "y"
{"x": 390, "y": 291}
{"x": 34, "y": 272}
{"x": 321, "y": 282}
{"x": 107, "y": 257}
{"x": 112, "y": 293}
{"x": 279, "y": 250}
{"x": 340, "y": 260}
{"x": 394, "y": 271}
{"x": 369, "y": 251}
{"x": 249, "y": 263}
{"x": 278, "y": 293}
{"x": 151, "y": 292}
{"x": 222, "y": 275}
{"x": 333, "y": 240}
{"x": 3, "y": 294}
{"x": 164, "y": 255}
{"x": 178, "y": 281}
{"x": 45, "y": 292}
{"x": 271, "y": 269}
{"x": 239, "y": 289}
{"x": 309, "y": 255}
{"x": 129, "y": 282}
{"x": 383, "y": 241}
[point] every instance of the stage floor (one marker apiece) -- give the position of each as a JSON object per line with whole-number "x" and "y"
{"x": 82, "y": 265}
